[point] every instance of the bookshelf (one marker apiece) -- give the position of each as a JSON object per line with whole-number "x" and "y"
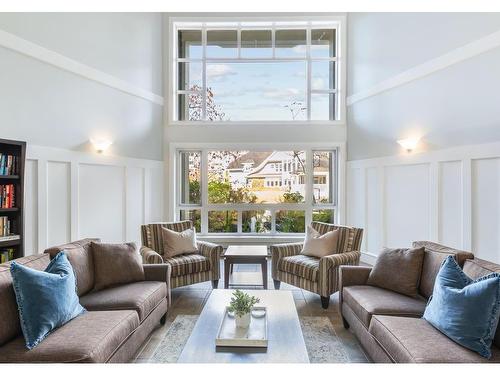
{"x": 12, "y": 163}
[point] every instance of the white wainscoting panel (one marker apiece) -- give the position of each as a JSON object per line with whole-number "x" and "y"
{"x": 406, "y": 204}
{"x": 31, "y": 208}
{"x": 450, "y": 203}
{"x": 58, "y": 202}
{"x": 486, "y": 208}
{"x": 450, "y": 196}
{"x": 71, "y": 195}
{"x": 374, "y": 218}
{"x": 101, "y": 208}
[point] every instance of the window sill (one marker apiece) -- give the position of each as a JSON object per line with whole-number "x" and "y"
{"x": 256, "y": 123}
{"x": 243, "y": 239}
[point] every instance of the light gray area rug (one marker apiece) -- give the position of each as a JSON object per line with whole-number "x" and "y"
{"x": 322, "y": 342}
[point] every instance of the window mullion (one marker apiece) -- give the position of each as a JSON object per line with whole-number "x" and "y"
{"x": 204, "y": 74}
{"x": 309, "y": 185}
{"x": 309, "y": 69}
{"x": 204, "y": 191}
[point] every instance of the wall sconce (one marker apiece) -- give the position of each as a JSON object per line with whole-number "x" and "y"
{"x": 409, "y": 144}
{"x": 101, "y": 145}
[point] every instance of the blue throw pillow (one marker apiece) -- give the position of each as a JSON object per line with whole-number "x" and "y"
{"x": 46, "y": 299}
{"x": 465, "y": 310}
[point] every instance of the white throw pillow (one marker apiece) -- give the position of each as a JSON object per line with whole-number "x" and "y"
{"x": 178, "y": 243}
{"x": 318, "y": 245}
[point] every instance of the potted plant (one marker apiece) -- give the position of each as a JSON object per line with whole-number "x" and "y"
{"x": 241, "y": 305}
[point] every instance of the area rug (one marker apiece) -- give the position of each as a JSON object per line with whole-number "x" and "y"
{"x": 322, "y": 342}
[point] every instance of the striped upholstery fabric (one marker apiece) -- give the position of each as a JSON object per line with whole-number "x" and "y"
{"x": 186, "y": 269}
{"x": 301, "y": 265}
{"x": 187, "y": 264}
{"x": 324, "y": 281}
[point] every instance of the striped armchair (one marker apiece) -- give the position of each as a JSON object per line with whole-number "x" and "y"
{"x": 186, "y": 269}
{"x": 317, "y": 275}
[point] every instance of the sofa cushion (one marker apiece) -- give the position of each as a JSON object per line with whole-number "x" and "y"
{"x": 476, "y": 268}
{"x": 9, "y": 322}
{"x": 80, "y": 256}
{"x": 300, "y": 265}
{"x": 142, "y": 297}
{"x": 91, "y": 337}
{"x": 116, "y": 264}
{"x": 434, "y": 256}
{"x": 398, "y": 270}
{"x": 415, "y": 340}
{"x": 188, "y": 264}
{"x": 366, "y": 301}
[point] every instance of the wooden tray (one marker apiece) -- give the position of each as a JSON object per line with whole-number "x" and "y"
{"x": 255, "y": 336}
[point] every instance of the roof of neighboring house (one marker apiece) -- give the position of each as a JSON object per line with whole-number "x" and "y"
{"x": 257, "y": 157}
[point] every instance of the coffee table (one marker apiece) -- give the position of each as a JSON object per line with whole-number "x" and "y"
{"x": 245, "y": 255}
{"x": 286, "y": 343}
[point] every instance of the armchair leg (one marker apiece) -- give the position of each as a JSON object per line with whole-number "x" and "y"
{"x": 215, "y": 284}
{"x": 325, "y": 302}
{"x": 277, "y": 284}
{"x": 346, "y": 324}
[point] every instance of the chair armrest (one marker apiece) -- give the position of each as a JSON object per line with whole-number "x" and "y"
{"x": 149, "y": 256}
{"x": 213, "y": 252}
{"x": 281, "y": 251}
{"x": 329, "y": 270}
{"x": 351, "y": 275}
{"x": 159, "y": 272}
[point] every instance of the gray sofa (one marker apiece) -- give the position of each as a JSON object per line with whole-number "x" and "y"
{"x": 118, "y": 321}
{"x": 389, "y": 325}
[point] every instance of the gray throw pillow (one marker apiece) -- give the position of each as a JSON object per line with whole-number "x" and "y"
{"x": 398, "y": 270}
{"x": 116, "y": 264}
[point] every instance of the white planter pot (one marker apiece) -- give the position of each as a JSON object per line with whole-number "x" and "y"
{"x": 242, "y": 321}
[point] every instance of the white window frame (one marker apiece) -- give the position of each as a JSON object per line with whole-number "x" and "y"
{"x": 308, "y": 206}
{"x": 336, "y": 21}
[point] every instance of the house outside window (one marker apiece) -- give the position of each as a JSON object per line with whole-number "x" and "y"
{"x": 236, "y": 192}
{"x": 257, "y": 71}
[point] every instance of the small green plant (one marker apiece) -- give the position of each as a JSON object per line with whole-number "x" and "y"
{"x": 242, "y": 303}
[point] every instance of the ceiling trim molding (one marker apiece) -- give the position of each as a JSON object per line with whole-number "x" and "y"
{"x": 455, "y": 56}
{"x": 25, "y": 47}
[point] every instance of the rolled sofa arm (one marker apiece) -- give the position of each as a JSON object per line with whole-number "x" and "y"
{"x": 159, "y": 272}
{"x": 149, "y": 256}
{"x": 281, "y": 251}
{"x": 213, "y": 252}
{"x": 352, "y": 275}
{"x": 329, "y": 270}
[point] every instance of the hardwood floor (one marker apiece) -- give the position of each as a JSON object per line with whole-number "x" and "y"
{"x": 190, "y": 300}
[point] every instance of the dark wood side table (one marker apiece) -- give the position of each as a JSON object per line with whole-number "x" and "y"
{"x": 245, "y": 255}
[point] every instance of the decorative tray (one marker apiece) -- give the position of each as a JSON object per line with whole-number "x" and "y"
{"x": 254, "y": 336}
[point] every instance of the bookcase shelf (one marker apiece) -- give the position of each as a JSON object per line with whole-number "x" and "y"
{"x": 14, "y": 178}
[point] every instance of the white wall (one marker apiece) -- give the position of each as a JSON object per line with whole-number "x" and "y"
{"x": 433, "y": 75}
{"x": 71, "y": 195}
{"x": 450, "y": 196}
{"x": 68, "y": 77}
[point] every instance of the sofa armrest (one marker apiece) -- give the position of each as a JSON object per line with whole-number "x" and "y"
{"x": 352, "y": 275}
{"x": 281, "y": 251}
{"x": 213, "y": 252}
{"x": 149, "y": 256}
{"x": 159, "y": 272}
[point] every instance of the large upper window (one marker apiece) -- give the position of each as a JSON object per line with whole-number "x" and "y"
{"x": 256, "y": 192}
{"x": 256, "y": 71}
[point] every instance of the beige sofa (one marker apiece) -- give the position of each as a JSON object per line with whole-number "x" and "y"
{"x": 389, "y": 325}
{"x": 118, "y": 321}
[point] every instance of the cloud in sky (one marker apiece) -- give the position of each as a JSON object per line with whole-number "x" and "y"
{"x": 216, "y": 71}
{"x": 281, "y": 93}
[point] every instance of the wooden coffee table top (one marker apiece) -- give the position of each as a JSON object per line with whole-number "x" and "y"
{"x": 246, "y": 251}
{"x": 286, "y": 343}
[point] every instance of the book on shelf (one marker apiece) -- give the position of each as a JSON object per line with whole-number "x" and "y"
{"x": 7, "y": 226}
{"x": 6, "y": 255}
{"x": 7, "y": 196}
{"x": 8, "y": 164}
